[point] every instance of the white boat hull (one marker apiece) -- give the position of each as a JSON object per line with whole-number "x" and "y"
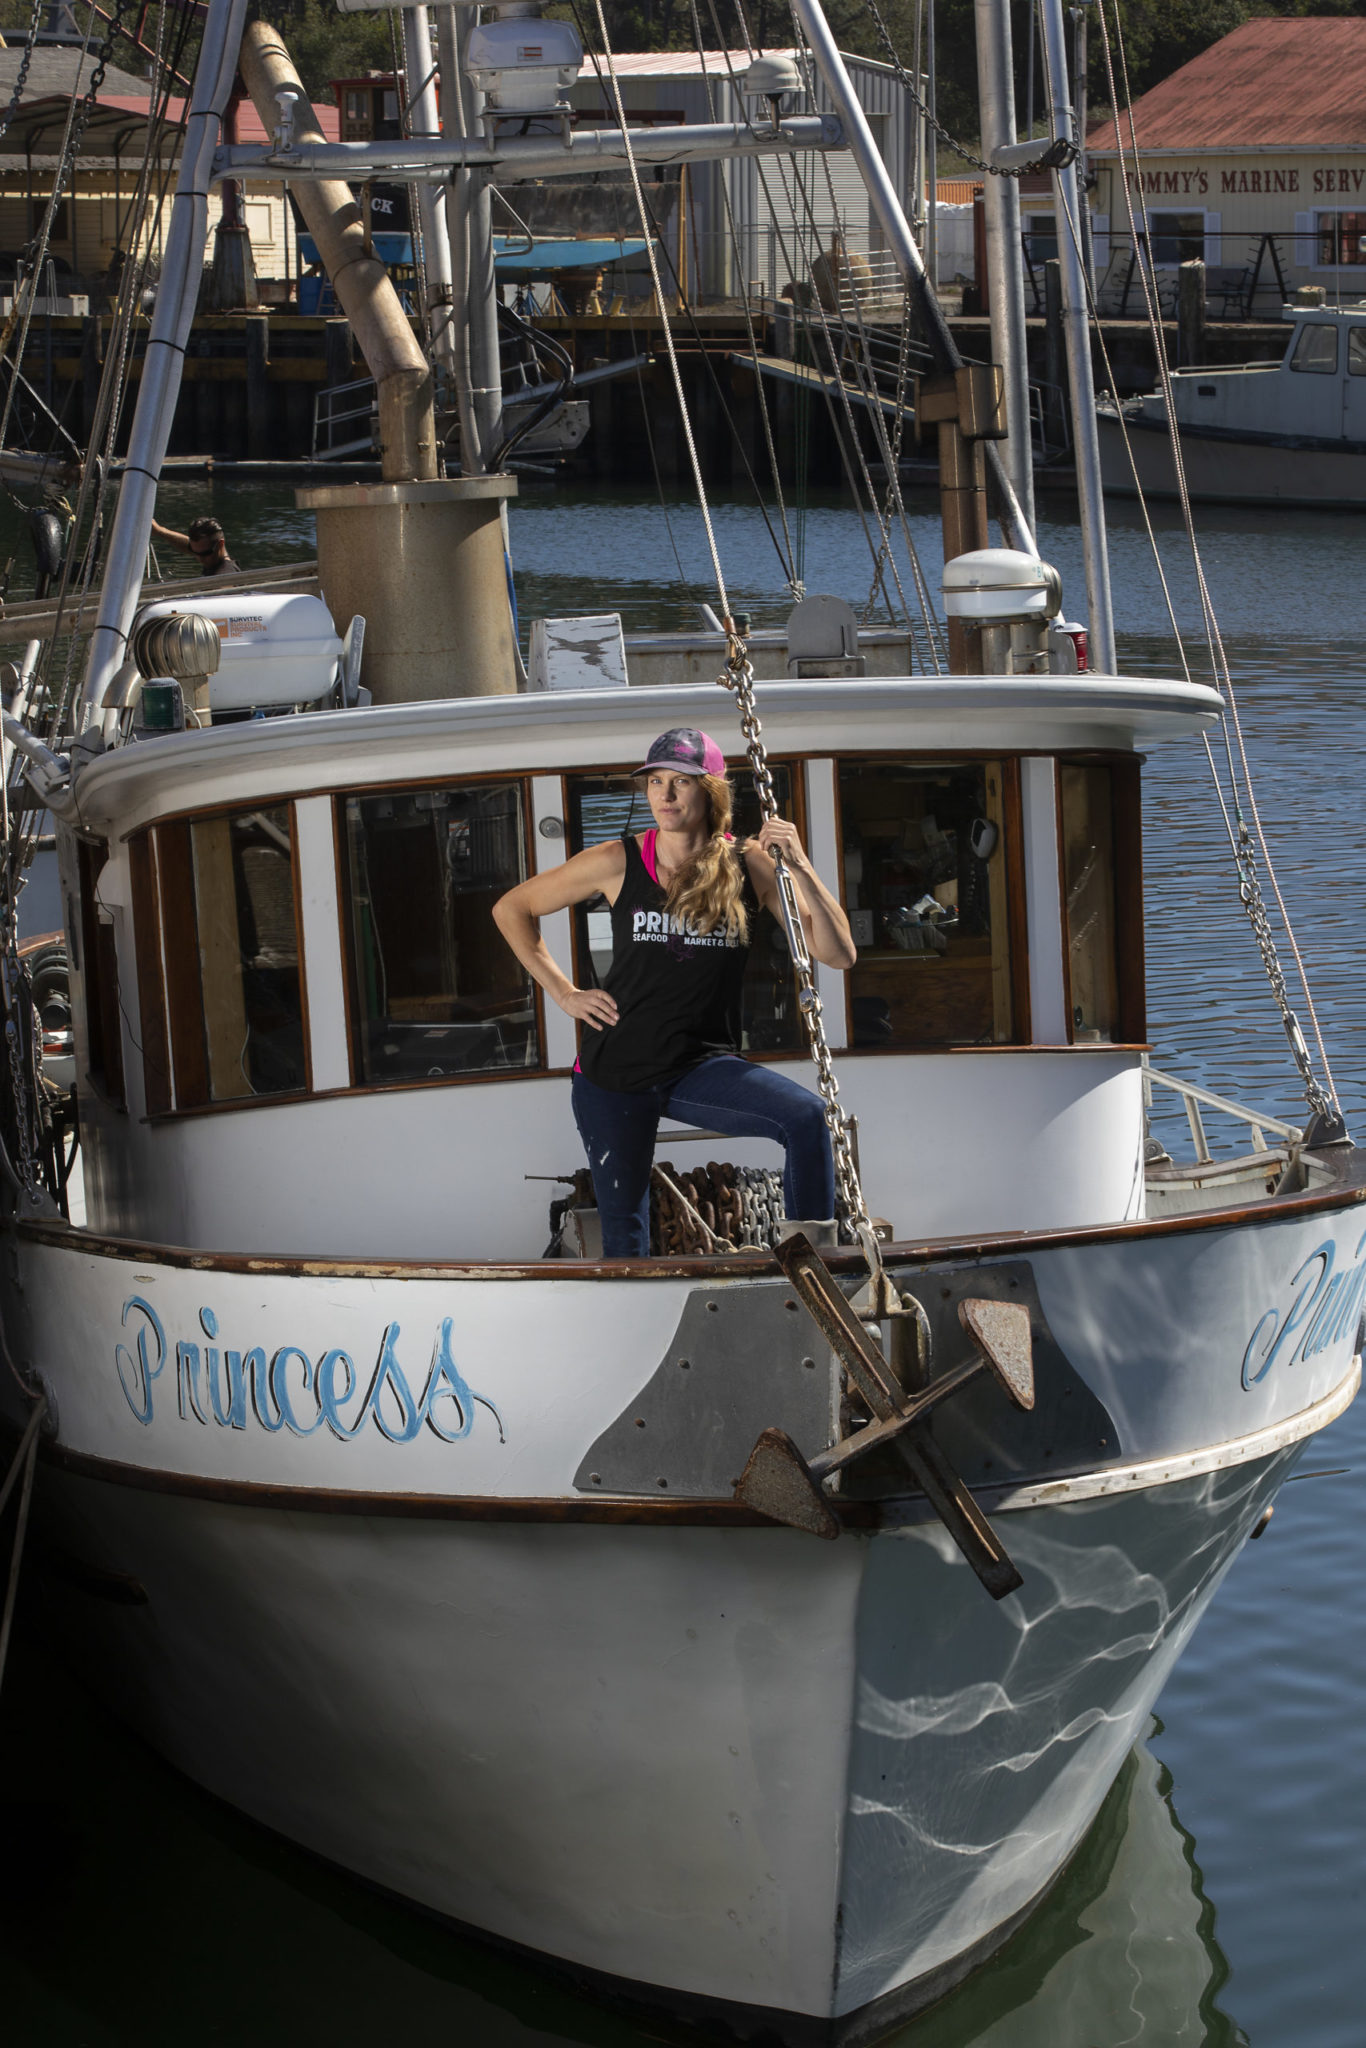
{"x": 441, "y": 1574}
{"x": 738, "y": 1770}
{"x": 1226, "y": 470}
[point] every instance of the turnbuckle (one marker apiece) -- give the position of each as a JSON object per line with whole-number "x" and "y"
{"x": 786, "y": 1487}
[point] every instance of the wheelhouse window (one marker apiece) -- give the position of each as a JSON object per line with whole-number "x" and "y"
{"x": 435, "y": 992}
{"x": 1102, "y": 899}
{"x": 604, "y": 807}
{"x": 925, "y": 874}
{"x": 1316, "y": 351}
{"x": 215, "y": 913}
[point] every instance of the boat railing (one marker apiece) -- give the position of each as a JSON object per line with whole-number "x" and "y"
{"x": 1193, "y": 1097}
{"x": 343, "y": 417}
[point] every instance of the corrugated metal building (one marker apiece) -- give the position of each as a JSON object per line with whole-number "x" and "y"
{"x": 784, "y": 210}
{"x": 1263, "y": 134}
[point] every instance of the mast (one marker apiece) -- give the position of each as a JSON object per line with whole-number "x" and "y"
{"x": 1017, "y": 527}
{"x": 424, "y": 120}
{"x": 477, "y": 362}
{"x": 1005, "y": 271}
{"x": 171, "y": 320}
{"x": 1077, "y": 340}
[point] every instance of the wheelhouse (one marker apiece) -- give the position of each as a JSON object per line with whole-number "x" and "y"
{"x": 287, "y": 967}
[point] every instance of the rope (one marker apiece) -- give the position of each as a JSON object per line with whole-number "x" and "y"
{"x": 794, "y": 582}
{"x": 645, "y": 228}
{"x": 873, "y": 399}
{"x": 797, "y": 267}
{"x": 1249, "y": 885}
{"x": 738, "y": 676}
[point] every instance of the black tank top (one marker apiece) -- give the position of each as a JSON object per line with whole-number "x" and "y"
{"x": 677, "y": 991}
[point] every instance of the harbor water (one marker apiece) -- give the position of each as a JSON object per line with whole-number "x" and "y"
{"x": 1219, "y": 1897}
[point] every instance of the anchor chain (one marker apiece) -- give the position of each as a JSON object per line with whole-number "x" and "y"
{"x": 738, "y": 677}
{"x": 17, "y": 991}
{"x": 1250, "y": 895}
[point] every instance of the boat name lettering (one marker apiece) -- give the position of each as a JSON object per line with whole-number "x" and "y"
{"x": 285, "y": 1387}
{"x": 1325, "y": 1307}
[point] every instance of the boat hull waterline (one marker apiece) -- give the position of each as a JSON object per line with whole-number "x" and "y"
{"x": 723, "y": 1766}
{"x": 1228, "y": 469}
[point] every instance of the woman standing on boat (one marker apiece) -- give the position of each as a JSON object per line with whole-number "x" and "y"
{"x": 663, "y": 1034}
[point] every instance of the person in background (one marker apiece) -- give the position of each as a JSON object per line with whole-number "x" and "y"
{"x": 205, "y": 541}
{"x": 663, "y": 1033}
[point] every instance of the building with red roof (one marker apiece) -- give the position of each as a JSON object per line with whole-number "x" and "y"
{"x": 1261, "y": 136}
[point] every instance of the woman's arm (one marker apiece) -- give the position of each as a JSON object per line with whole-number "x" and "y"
{"x": 828, "y": 936}
{"x": 597, "y": 871}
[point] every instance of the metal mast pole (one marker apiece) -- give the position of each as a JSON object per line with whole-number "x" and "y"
{"x": 1018, "y": 527}
{"x": 1077, "y": 340}
{"x": 126, "y": 555}
{"x": 424, "y": 120}
{"x": 1079, "y": 69}
{"x": 931, "y": 153}
{"x": 1005, "y": 270}
{"x": 486, "y": 374}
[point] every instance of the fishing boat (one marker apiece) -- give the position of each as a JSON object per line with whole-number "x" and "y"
{"x": 1291, "y": 432}
{"x": 751, "y": 1631}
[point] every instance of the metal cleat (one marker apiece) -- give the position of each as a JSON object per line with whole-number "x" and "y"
{"x": 778, "y": 1482}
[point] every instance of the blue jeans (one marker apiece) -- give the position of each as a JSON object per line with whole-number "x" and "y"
{"x": 726, "y": 1094}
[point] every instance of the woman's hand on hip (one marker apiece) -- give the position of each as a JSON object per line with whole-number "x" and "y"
{"x": 589, "y": 1006}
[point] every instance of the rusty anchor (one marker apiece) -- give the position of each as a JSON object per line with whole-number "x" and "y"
{"x": 780, "y": 1483}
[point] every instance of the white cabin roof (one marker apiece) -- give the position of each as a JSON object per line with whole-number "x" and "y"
{"x": 547, "y": 732}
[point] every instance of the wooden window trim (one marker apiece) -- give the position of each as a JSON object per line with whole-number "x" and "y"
{"x": 180, "y": 948}
{"x": 1126, "y": 822}
{"x": 1126, "y": 799}
{"x": 156, "y": 1055}
{"x": 1017, "y": 921}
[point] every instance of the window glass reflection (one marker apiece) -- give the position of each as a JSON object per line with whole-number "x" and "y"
{"x": 925, "y": 889}
{"x": 435, "y": 991}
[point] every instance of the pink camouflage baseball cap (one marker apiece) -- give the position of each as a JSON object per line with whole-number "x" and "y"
{"x": 686, "y": 750}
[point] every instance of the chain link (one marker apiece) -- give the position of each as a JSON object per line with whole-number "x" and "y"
{"x": 1250, "y": 894}
{"x": 1053, "y": 156}
{"x": 738, "y": 677}
{"x": 16, "y": 992}
{"x": 39, "y": 9}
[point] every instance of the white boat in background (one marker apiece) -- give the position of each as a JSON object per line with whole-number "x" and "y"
{"x": 493, "y": 1572}
{"x": 1292, "y": 432}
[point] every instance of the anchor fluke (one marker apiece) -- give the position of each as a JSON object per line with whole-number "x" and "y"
{"x": 780, "y": 1483}
{"x": 777, "y": 1482}
{"x": 1001, "y": 1331}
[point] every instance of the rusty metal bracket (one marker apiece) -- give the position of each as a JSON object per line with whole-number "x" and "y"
{"x": 780, "y": 1483}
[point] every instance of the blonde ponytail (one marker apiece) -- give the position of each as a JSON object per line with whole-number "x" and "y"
{"x": 708, "y": 891}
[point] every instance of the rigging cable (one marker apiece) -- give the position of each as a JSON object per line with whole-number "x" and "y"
{"x": 794, "y": 582}
{"x": 803, "y": 221}
{"x": 1327, "y": 1106}
{"x": 874, "y": 397}
{"x": 738, "y": 676}
{"x": 798, "y": 265}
